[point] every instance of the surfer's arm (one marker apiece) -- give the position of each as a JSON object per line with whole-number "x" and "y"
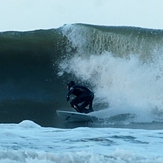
{"x": 69, "y": 93}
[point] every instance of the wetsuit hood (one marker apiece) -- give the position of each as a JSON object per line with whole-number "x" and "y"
{"x": 70, "y": 84}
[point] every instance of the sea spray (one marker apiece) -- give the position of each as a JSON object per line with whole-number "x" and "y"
{"x": 129, "y": 83}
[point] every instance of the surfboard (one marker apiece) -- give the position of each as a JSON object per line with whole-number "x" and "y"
{"x": 71, "y": 116}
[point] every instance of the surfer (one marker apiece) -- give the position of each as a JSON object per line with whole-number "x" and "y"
{"x": 84, "y": 97}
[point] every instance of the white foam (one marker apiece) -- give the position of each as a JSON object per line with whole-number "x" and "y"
{"x": 28, "y": 124}
{"x": 123, "y": 83}
{"x": 79, "y": 145}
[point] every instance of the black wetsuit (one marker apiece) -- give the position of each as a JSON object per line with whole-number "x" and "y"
{"x": 84, "y": 97}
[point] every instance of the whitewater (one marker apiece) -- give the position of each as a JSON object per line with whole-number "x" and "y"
{"x": 28, "y": 142}
{"x": 123, "y": 67}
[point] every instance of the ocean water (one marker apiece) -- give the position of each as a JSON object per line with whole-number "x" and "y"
{"x": 122, "y": 65}
{"x": 28, "y": 142}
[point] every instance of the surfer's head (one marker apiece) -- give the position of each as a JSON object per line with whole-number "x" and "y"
{"x": 70, "y": 84}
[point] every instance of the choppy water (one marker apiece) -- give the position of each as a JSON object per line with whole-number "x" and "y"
{"x": 28, "y": 142}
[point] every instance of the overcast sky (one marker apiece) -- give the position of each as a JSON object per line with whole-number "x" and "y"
{"x": 22, "y": 15}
